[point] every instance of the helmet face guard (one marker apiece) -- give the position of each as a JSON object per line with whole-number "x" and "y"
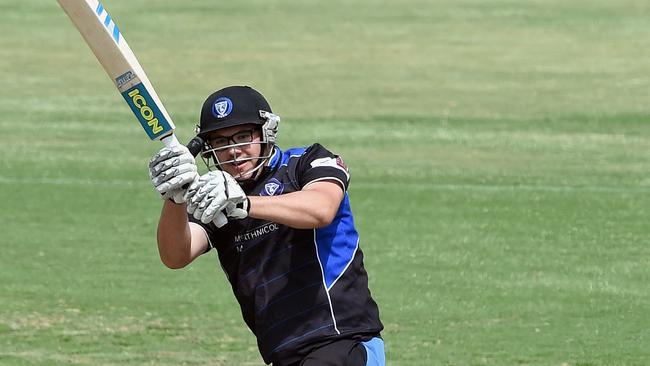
{"x": 267, "y": 141}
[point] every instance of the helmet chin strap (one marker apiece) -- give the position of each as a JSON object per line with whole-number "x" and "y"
{"x": 257, "y": 170}
{"x": 263, "y": 162}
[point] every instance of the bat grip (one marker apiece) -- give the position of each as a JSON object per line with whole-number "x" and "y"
{"x": 170, "y": 140}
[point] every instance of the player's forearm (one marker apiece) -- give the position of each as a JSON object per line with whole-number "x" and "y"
{"x": 174, "y": 236}
{"x": 301, "y": 210}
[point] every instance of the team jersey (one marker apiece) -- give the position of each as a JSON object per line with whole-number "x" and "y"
{"x": 297, "y": 288}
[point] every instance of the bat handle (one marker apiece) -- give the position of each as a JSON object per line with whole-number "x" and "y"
{"x": 170, "y": 140}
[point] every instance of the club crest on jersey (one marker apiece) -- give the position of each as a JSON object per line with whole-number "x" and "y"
{"x": 272, "y": 188}
{"x": 222, "y": 107}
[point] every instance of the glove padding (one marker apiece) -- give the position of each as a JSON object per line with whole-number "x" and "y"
{"x": 213, "y": 193}
{"x": 239, "y": 210}
{"x": 170, "y": 170}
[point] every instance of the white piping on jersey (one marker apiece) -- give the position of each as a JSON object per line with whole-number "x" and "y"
{"x": 346, "y": 266}
{"x": 327, "y": 291}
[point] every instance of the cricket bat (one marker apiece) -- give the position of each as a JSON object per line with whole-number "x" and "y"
{"x": 111, "y": 49}
{"x": 109, "y": 46}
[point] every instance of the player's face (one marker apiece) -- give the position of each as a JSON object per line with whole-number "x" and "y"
{"x": 238, "y": 149}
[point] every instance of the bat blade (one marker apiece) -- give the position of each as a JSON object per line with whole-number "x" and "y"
{"x": 116, "y": 57}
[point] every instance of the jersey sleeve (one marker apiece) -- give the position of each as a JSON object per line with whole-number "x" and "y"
{"x": 319, "y": 164}
{"x": 210, "y": 231}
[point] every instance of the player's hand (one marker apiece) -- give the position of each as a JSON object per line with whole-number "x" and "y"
{"x": 213, "y": 193}
{"x": 172, "y": 169}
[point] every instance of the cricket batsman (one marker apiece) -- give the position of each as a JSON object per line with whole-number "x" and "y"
{"x": 281, "y": 224}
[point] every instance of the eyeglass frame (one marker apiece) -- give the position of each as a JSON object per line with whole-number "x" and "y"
{"x": 228, "y": 139}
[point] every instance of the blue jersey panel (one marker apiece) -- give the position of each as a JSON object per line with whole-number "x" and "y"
{"x": 337, "y": 243}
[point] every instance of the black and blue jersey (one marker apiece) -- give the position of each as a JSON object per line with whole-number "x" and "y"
{"x": 298, "y": 289}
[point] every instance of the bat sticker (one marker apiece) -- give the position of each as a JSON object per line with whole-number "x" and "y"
{"x": 150, "y": 117}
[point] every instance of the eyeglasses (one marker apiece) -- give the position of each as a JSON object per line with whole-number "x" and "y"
{"x": 241, "y": 137}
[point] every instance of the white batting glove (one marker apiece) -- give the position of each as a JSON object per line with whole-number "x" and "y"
{"x": 238, "y": 204}
{"x": 213, "y": 193}
{"x": 172, "y": 169}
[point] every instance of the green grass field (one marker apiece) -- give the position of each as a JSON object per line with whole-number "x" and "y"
{"x": 499, "y": 152}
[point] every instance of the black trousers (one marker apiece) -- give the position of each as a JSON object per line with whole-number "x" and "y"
{"x": 344, "y": 352}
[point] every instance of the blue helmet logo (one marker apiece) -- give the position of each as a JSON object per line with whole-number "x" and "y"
{"x": 222, "y": 107}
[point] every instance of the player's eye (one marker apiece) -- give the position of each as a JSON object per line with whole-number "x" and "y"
{"x": 219, "y": 142}
{"x": 243, "y": 137}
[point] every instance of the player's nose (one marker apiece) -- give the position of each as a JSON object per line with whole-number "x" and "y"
{"x": 234, "y": 152}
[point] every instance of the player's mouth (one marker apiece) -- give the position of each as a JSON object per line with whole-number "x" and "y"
{"x": 240, "y": 166}
{"x": 237, "y": 164}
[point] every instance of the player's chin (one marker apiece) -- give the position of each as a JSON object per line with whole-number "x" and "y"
{"x": 244, "y": 174}
{"x": 244, "y": 177}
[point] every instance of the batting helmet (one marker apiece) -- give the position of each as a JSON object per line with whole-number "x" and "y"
{"x": 233, "y": 106}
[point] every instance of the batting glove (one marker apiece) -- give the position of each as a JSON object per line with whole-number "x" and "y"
{"x": 238, "y": 203}
{"x": 171, "y": 171}
{"x": 214, "y": 192}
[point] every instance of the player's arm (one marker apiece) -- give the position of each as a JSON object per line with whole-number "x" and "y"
{"x": 172, "y": 170}
{"x": 312, "y": 207}
{"x": 322, "y": 176}
{"x": 179, "y": 241}
{"x": 324, "y": 179}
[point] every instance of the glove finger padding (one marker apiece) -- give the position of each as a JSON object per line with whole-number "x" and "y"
{"x": 212, "y": 202}
{"x": 171, "y": 173}
{"x": 200, "y": 190}
{"x": 213, "y": 209}
{"x": 166, "y": 165}
{"x": 167, "y": 153}
{"x": 214, "y": 194}
{"x": 170, "y": 170}
{"x": 176, "y": 182}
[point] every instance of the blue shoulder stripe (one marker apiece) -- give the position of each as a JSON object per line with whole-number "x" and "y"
{"x": 282, "y": 157}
